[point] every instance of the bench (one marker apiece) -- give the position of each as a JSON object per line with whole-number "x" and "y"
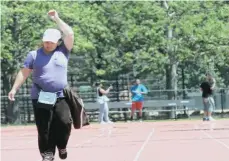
{"x": 123, "y": 107}
{"x": 147, "y": 103}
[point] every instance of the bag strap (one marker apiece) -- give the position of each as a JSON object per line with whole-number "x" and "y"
{"x": 37, "y": 86}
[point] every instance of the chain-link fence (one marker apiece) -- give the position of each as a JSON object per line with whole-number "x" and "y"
{"x": 157, "y": 105}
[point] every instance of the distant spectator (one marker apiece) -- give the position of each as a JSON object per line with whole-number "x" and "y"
{"x": 102, "y": 99}
{"x": 207, "y": 88}
{"x": 137, "y": 91}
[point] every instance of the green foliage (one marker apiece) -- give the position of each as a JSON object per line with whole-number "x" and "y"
{"x": 113, "y": 38}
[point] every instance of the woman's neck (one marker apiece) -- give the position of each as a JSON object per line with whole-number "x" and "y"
{"x": 47, "y": 52}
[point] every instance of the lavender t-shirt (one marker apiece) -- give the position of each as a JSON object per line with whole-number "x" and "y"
{"x": 49, "y": 70}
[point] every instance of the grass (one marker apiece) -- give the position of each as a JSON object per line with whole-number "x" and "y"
{"x": 165, "y": 120}
{"x": 16, "y": 125}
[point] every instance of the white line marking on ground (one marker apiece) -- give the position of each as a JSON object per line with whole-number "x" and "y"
{"x": 102, "y": 133}
{"x": 17, "y": 133}
{"x": 89, "y": 140}
{"x": 218, "y": 141}
{"x": 212, "y": 126}
{"x": 110, "y": 131}
{"x": 144, "y": 145}
{"x": 19, "y": 145}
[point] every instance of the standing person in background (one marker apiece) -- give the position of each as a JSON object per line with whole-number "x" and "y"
{"x": 49, "y": 67}
{"x": 207, "y": 88}
{"x": 103, "y": 101}
{"x": 137, "y": 91}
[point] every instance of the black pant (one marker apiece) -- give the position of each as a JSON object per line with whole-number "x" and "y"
{"x": 53, "y": 125}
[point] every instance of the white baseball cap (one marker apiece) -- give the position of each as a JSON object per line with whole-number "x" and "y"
{"x": 52, "y": 35}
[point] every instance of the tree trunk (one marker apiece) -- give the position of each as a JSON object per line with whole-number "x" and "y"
{"x": 171, "y": 86}
{"x": 171, "y": 67}
{"x": 171, "y": 81}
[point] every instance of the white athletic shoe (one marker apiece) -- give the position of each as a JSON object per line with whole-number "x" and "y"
{"x": 211, "y": 119}
{"x": 102, "y": 123}
{"x": 110, "y": 122}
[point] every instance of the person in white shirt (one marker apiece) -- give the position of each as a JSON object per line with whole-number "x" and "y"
{"x": 102, "y": 99}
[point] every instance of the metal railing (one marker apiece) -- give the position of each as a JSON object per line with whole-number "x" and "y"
{"x": 21, "y": 111}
